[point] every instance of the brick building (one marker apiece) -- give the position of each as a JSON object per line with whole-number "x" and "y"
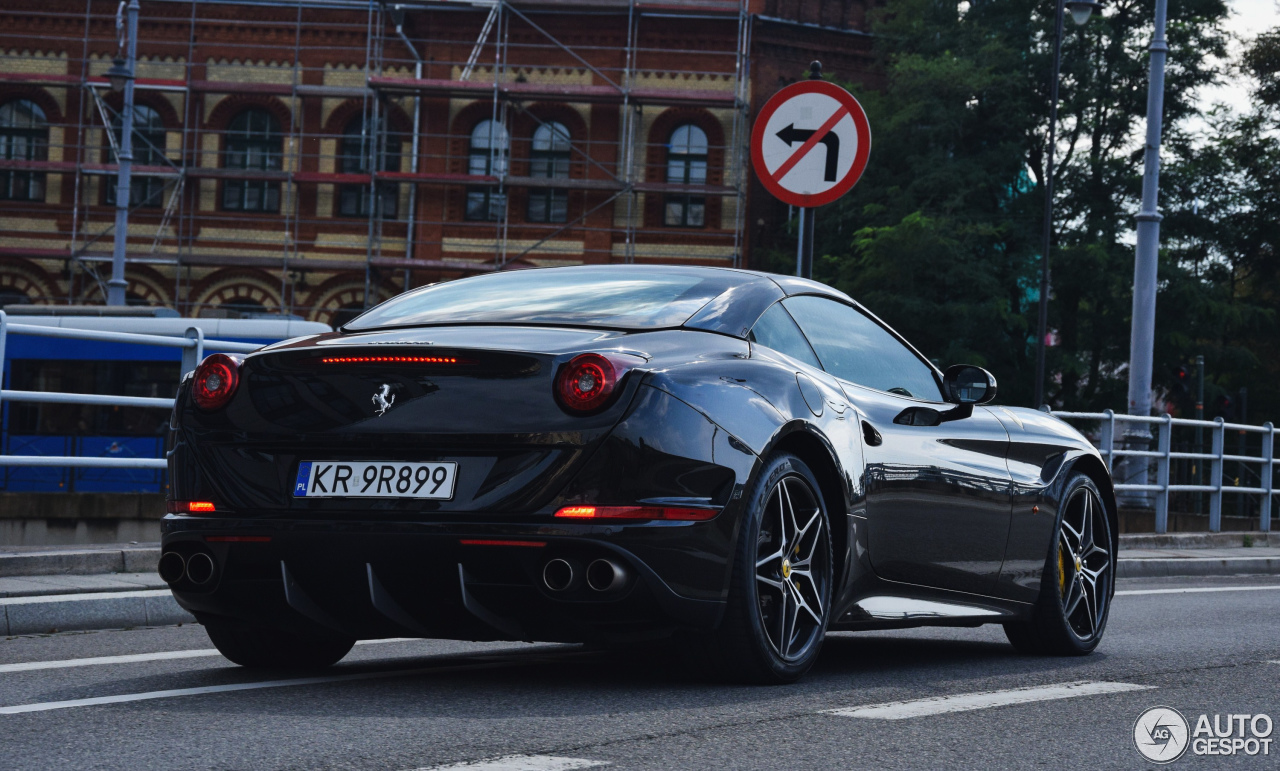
{"x": 298, "y": 157}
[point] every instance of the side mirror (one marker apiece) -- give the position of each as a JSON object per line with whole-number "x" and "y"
{"x": 967, "y": 384}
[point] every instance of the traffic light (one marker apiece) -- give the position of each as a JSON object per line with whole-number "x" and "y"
{"x": 1225, "y": 407}
{"x": 1181, "y": 381}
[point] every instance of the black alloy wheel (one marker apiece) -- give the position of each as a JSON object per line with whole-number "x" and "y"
{"x": 1078, "y": 580}
{"x": 780, "y": 597}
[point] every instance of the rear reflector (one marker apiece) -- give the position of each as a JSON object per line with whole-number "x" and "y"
{"x": 238, "y": 538}
{"x": 191, "y": 507}
{"x": 636, "y": 512}
{"x": 390, "y": 360}
{"x": 490, "y": 542}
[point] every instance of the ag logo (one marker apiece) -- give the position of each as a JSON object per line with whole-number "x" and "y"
{"x": 1161, "y": 734}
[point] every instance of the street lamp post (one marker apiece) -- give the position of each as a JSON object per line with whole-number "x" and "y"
{"x": 1146, "y": 258}
{"x": 121, "y": 75}
{"x": 1080, "y": 12}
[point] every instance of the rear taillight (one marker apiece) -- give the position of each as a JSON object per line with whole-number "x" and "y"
{"x": 191, "y": 507}
{"x": 215, "y": 381}
{"x": 588, "y": 382}
{"x": 637, "y": 513}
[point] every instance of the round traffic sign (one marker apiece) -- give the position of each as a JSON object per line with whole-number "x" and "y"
{"x": 810, "y": 143}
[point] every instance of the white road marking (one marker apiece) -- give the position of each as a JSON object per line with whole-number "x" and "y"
{"x": 1190, "y": 590}
{"x": 94, "y": 701}
{"x": 31, "y": 666}
{"x": 45, "y": 598}
{"x": 964, "y": 702}
{"x": 522, "y": 763}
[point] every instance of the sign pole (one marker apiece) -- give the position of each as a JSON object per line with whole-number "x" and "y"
{"x": 804, "y": 249}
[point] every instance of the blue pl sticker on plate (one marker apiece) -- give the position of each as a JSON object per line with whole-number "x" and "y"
{"x": 304, "y": 476}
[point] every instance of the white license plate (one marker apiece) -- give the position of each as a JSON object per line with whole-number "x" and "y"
{"x": 361, "y": 479}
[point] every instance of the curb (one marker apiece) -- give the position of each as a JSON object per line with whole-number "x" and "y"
{"x": 1155, "y": 567}
{"x": 78, "y": 562}
{"x": 1194, "y": 540}
{"x": 99, "y": 610}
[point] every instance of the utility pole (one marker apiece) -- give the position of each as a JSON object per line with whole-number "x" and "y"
{"x": 1146, "y": 259}
{"x": 122, "y": 75}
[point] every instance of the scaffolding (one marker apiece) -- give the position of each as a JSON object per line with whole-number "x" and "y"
{"x": 398, "y": 187}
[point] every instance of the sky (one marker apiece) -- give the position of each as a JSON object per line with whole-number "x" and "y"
{"x": 1248, "y": 18}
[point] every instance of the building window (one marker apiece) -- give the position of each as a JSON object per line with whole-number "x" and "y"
{"x": 148, "y": 150}
{"x": 487, "y": 156}
{"x": 549, "y": 159}
{"x": 253, "y": 143}
{"x": 686, "y": 165}
{"x": 358, "y": 147}
{"x": 24, "y": 136}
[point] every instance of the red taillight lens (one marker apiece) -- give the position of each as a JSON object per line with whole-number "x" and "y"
{"x": 191, "y": 507}
{"x": 586, "y": 382}
{"x": 589, "y": 381}
{"x": 215, "y": 381}
{"x": 637, "y": 512}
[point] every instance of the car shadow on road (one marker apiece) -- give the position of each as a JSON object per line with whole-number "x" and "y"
{"x": 568, "y": 681}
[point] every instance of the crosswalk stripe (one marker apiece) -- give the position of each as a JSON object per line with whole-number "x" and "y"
{"x": 965, "y": 702}
{"x": 522, "y": 763}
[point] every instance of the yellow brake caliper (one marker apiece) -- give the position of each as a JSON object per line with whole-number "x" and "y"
{"x": 1062, "y": 572}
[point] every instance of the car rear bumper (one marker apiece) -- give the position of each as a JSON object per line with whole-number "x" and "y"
{"x": 469, "y": 580}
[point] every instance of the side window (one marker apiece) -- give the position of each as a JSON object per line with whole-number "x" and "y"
{"x": 778, "y": 331}
{"x": 853, "y": 347}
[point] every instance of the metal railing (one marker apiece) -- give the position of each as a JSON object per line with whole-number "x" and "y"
{"x": 1164, "y": 456}
{"x": 193, "y": 346}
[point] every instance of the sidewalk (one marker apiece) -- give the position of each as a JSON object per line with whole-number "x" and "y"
{"x": 108, "y": 586}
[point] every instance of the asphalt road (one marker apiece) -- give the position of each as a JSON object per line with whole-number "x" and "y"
{"x": 425, "y": 704}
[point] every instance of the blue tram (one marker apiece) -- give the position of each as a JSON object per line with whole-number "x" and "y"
{"x": 82, "y": 366}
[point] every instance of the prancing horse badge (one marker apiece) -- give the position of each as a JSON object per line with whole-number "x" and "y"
{"x": 383, "y": 399}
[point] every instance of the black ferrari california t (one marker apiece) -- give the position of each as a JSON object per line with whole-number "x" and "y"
{"x": 733, "y": 462}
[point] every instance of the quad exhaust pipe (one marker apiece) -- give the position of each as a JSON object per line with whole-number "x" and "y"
{"x": 602, "y": 575}
{"x": 558, "y": 575}
{"x": 172, "y": 567}
{"x": 606, "y": 576}
{"x": 198, "y": 568}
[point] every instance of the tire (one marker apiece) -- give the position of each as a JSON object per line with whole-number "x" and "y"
{"x": 1078, "y": 582}
{"x": 269, "y": 648}
{"x": 772, "y": 632}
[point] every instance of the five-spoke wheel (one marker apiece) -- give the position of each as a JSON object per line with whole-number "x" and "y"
{"x": 1078, "y": 580}
{"x": 792, "y": 552}
{"x": 780, "y": 590}
{"x": 1084, "y": 564}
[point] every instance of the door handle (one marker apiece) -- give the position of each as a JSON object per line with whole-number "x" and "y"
{"x": 870, "y": 435}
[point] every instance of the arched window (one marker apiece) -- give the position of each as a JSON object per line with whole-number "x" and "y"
{"x": 24, "y": 136}
{"x": 549, "y": 158}
{"x": 487, "y": 156}
{"x": 358, "y": 147}
{"x": 253, "y": 143}
{"x": 686, "y": 165}
{"x": 148, "y": 150}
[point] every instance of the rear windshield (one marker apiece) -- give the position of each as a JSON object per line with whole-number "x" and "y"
{"x": 597, "y": 296}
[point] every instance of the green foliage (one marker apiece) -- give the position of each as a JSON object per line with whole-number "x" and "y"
{"x": 942, "y": 235}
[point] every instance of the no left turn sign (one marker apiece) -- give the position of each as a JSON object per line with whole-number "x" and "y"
{"x": 810, "y": 143}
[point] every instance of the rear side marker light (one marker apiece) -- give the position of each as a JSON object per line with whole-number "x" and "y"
{"x": 637, "y": 513}
{"x": 492, "y": 542}
{"x": 215, "y": 381}
{"x": 191, "y": 507}
{"x": 389, "y": 360}
{"x": 238, "y": 538}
